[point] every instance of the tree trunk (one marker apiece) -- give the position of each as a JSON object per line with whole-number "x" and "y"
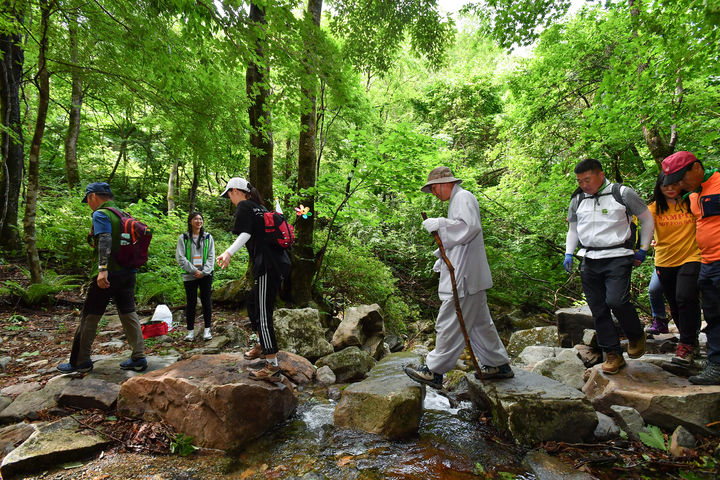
{"x": 303, "y": 254}
{"x": 257, "y": 81}
{"x": 34, "y": 157}
{"x": 72, "y": 174}
{"x": 171, "y": 187}
{"x": 11, "y": 174}
{"x": 193, "y": 189}
{"x": 658, "y": 145}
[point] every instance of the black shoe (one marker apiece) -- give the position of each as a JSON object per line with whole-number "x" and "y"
{"x": 138, "y": 365}
{"x": 709, "y": 376}
{"x": 423, "y": 374}
{"x": 502, "y": 371}
{"x": 82, "y": 368}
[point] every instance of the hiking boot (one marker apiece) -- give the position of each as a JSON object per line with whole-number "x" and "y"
{"x": 254, "y": 353}
{"x": 423, "y": 374}
{"x": 684, "y": 355}
{"x": 709, "y": 376}
{"x": 82, "y": 368}
{"x": 502, "y": 371}
{"x": 636, "y": 348}
{"x": 190, "y": 336}
{"x": 614, "y": 361}
{"x": 207, "y": 335}
{"x": 138, "y": 365}
{"x": 659, "y": 325}
{"x": 269, "y": 373}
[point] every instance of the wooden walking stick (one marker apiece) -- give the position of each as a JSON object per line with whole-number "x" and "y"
{"x": 458, "y": 310}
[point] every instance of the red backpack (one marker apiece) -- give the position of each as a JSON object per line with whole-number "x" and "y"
{"x": 278, "y": 232}
{"x": 135, "y": 239}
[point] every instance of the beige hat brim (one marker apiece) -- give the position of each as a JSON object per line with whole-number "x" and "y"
{"x": 426, "y": 187}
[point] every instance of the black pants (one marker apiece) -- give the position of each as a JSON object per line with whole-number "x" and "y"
{"x": 121, "y": 291}
{"x": 191, "y": 289}
{"x": 606, "y": 283}
{"x": 261, "y": 304}
{"x": 680, "y": 287}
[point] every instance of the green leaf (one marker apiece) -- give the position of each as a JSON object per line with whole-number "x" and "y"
{"x": 654, "y": 438}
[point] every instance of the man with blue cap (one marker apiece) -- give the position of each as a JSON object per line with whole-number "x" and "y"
{"x": 112, "y": 282}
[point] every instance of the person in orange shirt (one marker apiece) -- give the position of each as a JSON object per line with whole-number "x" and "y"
{"x": 677, "y": 263}
{"x": 686, "y": 170}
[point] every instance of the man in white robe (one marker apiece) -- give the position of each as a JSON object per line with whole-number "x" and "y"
{"x": 462, "y": 237}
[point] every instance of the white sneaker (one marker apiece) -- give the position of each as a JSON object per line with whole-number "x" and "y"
{"x": 207, "y": 335}
{"x": 190, "y": 336}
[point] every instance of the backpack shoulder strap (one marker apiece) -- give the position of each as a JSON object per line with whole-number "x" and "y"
{"x": 617, "y": 193}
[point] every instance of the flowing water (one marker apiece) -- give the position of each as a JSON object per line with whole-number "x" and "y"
{"x": 451, "y": 445}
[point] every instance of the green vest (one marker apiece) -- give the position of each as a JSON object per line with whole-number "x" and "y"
{"x": 113, "y": 266}
{"x": 188, "y": 245}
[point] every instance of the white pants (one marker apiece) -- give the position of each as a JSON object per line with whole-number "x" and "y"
{"x": 449, "y": 341}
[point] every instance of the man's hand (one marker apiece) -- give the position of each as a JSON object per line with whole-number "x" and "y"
{"x": 431, "y": 224}
{"x": 224, "y": 259}
{"x": 568, "y": 263}
{"x": 198, "y": 274}
{"x": 102, "y": 279}
{"x": 639, "y": 257}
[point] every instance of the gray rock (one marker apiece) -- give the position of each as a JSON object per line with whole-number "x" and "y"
{"x": 374, "y": 346}
{"x": 387, "y": 403}
{"x": 565, "y": 367}
{"x": 116, "y": 344}
{"x": 25, "y": 378}
{"x": 14, "y": 435}
{"x": 37, "y": 364}
{"x": 546, "y": 467}
{"x": 89, "y": 393}
{"x": 107, "y": 367}
{"x": 394, "y": 342}
{"x": 628, "y": 419}
{"x": 547, "y": 336}
{"x": 19, "y": 388}
{"x": 572, "y": 323}
{"x": 4, "y": 402}
{"x": 299, "y": 331}
{"x": 54, "y": 443}
{"x": 348, "y": 364}
{"x": 27, "y": 405}
{"x": 234, "y": 291}
{"x": 420, "y": 350}
{"x": 532, "y": 355}
{"x": 4, "y": 362}
{"x": 589, "y": 337}
{"x": 606, "y": 429}
{"x": 533, "y": 408}
{"x": 324, "y": 376}
{"x": 334, "y": 393}
{"x": 589, "y": 355}
{"x": 681, "y": 441}
{"x": 210, "y": 397}
{"x": 358, "y": 324}
{"x": 662, "y": 399}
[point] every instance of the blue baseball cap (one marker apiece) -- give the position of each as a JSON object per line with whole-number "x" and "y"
{"x": 97, "y": 187}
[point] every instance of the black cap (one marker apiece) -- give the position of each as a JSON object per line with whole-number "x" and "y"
{"x": 97, "y": 187}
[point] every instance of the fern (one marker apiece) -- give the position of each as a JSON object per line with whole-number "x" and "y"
{"x": 40, "y": 293}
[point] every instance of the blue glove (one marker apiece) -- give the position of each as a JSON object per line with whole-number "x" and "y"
{"x": 640, "y": 255}
{"x": 568, "y": 263}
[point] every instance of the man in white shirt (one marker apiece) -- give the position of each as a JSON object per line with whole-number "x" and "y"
{"x": 600, "y": 220}
{"x": 462, "y": 237}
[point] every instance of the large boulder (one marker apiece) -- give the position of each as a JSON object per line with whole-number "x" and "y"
{"x": 359, "y": 324}
{"x": 546, "y": 336}
{"x": 533, "y": 354}
{"x": 296, "y": 368}
{"x": 348, "y": 364}
{"x": 386, "y": 403}
{"x": 300, "y": 331}
{"x": 533, "y": 408}
{"x": 234, "y": 291}
{"x": 29, "y": 404}
{"x": 572, "y": 323}
{"x": 565, "y": 367}
{"x": 51, "y": 444}
{"x": 210, "y": 397}
{"x": 663, "y": 399}
{"x": 89, "y": 393}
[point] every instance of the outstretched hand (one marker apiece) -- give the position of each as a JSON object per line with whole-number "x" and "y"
{"x": 224, "y": 260}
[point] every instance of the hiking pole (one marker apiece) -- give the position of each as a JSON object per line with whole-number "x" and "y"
{"x": 458, "y": 310}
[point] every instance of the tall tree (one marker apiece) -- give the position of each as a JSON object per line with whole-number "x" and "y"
{"x": 258, "y": 83}
{"x": 304, "y": 254}
{"x": 72, "y": 174}
{"x": 11, "y": 137}
{"x": 33, "y": 183}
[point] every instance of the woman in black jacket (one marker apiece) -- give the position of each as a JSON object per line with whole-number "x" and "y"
{"x": 269, "y": 266}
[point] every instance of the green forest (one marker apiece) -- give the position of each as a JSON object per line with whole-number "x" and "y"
{"x": 341, "y": 106}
